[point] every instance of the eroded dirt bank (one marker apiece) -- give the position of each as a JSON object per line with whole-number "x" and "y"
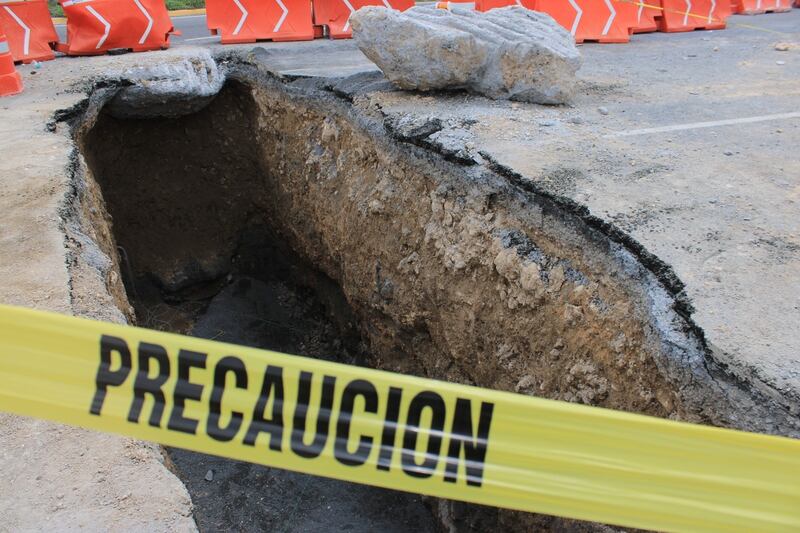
{"x": 440, "y": 268}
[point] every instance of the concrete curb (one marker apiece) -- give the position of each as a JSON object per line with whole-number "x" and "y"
{"x": 187, "y": 12}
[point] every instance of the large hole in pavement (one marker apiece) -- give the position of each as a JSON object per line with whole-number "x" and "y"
{"x": 280, "y": 220}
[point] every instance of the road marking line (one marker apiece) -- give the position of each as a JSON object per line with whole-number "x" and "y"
{"x": 710, "y": 124}
{"x": 197, "y": 39}
{"x": 318, "y": 70}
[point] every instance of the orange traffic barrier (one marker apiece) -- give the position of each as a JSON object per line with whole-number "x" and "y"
{"x": 10, "y": 80}
{"x": 603, "y": 21}
{"x": 688, "y": 15}
{"x": 29, "y": 29}
{"x": 757, "y": 7}
{"x": 486, "y": 5}
{"x": 462, "y": 5}
{"x": 248, "y": 21}
{"x": 96, "y": 26}
{"x": 335, "y": 14}
{"x": 647, "y": 12}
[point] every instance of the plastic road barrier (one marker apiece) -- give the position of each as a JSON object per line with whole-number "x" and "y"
{"x": 248, "y": 21}
{"x": 688, "y": 15}
{"x": 757, "y": 7}
{"x": 603, "y": 21}
{"x": 646, "y": 13}
{"x": 29, "y": 29}
{"x": 396, "y": 431}
{"x": 96, "y": 26}
{"x": 335, "y": 14}
{"x": 10, "y": 80}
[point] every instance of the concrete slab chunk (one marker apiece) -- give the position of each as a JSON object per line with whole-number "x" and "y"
{"x": 510, "y": 53}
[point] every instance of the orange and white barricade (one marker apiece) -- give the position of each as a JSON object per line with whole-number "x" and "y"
{"x": 757, "y": 7}
{"x": 335, "y": 14}
{"x": 646, "y": 13}
{"x": 688, "y": 15}
{"x": 603, "y": 21}
{"x": 10, "y": 80}
{"x": 97, "y": 26}
{"x": 248, "y": 21}
{"x": 29, "y": 29}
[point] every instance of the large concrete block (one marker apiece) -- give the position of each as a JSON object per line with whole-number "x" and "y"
{"x": 510, "y": 53}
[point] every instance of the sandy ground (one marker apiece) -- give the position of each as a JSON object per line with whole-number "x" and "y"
{"x": 719, "y": 204}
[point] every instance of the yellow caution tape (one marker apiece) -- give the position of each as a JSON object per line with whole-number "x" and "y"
{"x": 396, "y": 431}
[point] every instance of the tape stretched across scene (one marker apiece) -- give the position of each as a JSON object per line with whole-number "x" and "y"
{"x": 396, "y": 431}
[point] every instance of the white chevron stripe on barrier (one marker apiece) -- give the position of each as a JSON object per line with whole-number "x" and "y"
{"x": 350, "y": 7}
{"x": 611, "y": 17}
{"x": 149, "y": 28}
{"x": 283, "y": 16}
{"x": 26, "y": 45}
{"x": 105, "y": 24}
{"x": 577, "y": 20}
{"x": 238, "y": 27}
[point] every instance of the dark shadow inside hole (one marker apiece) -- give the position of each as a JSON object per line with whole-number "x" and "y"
{"x": 200, "y": 255}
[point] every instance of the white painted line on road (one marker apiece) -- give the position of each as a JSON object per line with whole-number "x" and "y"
{"x": 213, "y": 37}
{"x": 710, "y": 124}
{"x": 319, "y": 70}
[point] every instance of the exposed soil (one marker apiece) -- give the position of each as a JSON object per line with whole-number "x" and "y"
{"x": 234, "y": 495}
{"x": 286, "y": 216}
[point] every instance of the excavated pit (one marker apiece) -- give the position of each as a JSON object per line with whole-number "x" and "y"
{"x": 284, "y": 216}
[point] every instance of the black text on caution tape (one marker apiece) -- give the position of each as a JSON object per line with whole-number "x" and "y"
{"x": 273, "y": 414}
